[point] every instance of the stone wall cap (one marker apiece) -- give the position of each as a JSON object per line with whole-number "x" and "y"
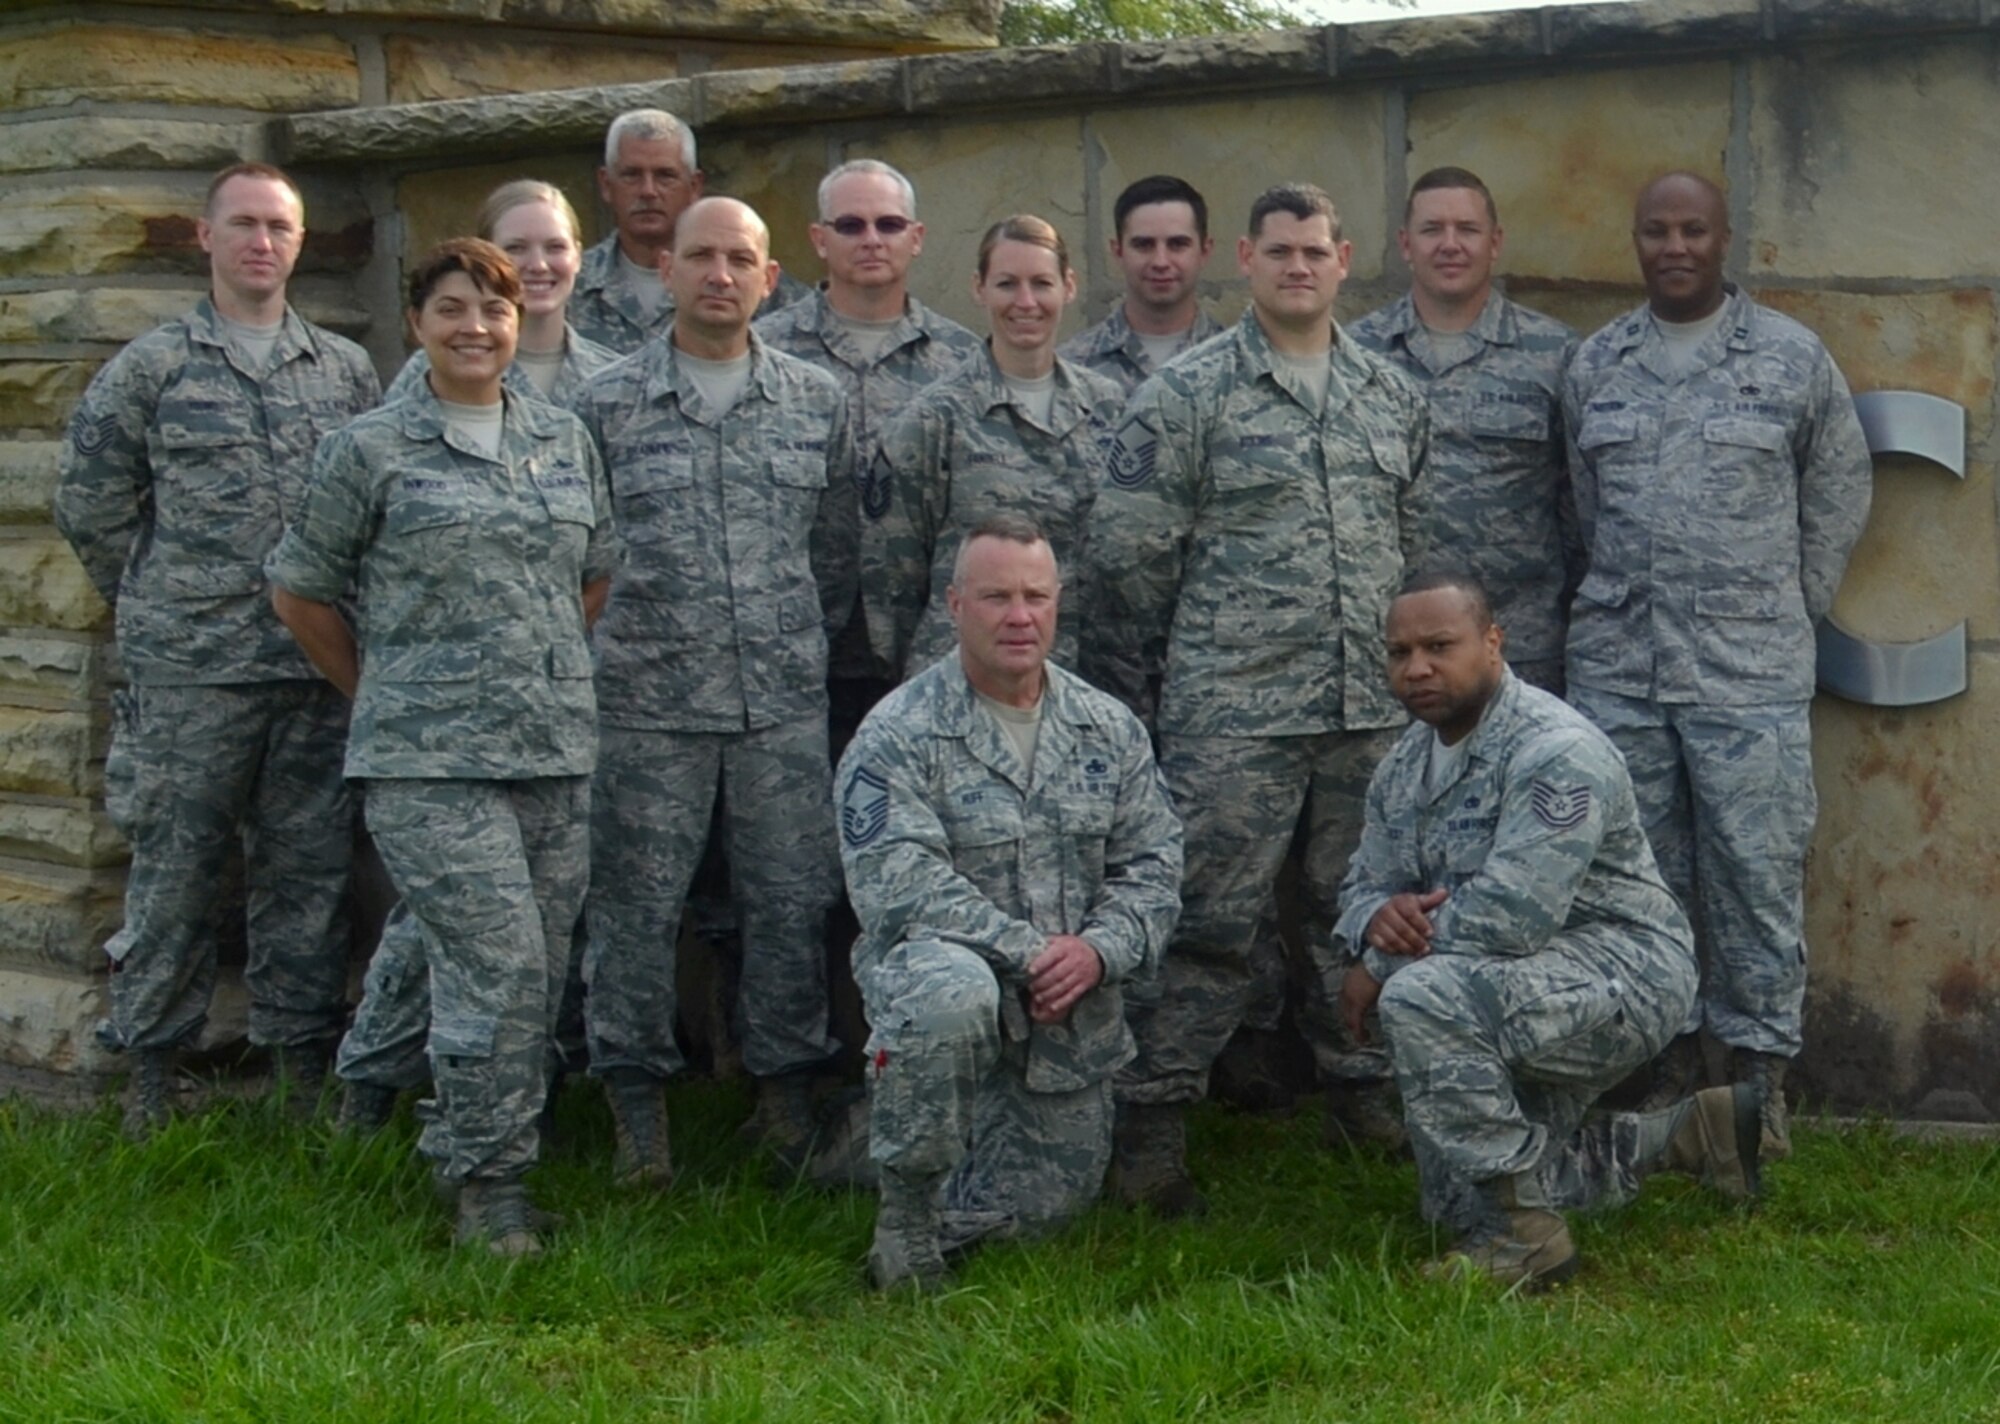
{"x": 1037, "y": 76}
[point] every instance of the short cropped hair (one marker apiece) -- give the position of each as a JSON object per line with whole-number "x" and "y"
{"x": 1301, "y": 200}
{"x": 489, "y": 268}
{"x": 250, "y": 170}
{"x": 1432, "y": 580}
{"x": 1014, "y": 528}
{"x": 1024, "y": 227}
{"x": 873, "y": 166}
{"x": 647, "y": 124}
{"x": 1160, "y": 188}
{"x": 1448, "y": 177}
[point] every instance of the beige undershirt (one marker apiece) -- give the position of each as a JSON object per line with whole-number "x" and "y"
{"x": 1022, "y": 725}
{"x": 477, "y": 425}
{"x": 541, "y": 368}
{"x": 644, "y": 283}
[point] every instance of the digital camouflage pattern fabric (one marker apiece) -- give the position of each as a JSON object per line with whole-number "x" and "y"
{"x": 1559, "y": 962}
{"x": 1251, "y": 545}
{"x": 1113, "y": 350}
{"x": 1719, "y": 509}
{"x": 180, "y": 470}
{"x": 960, "y": 864}
{"x": 961, "y": 449}
{"x": 1500, "y": 501}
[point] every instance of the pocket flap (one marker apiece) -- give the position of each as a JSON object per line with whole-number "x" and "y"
{"x": 441, "y": 663}
{"x": 1608, "y": 427}
{"x": 1739, "y": 602}
{"x": 1751, "y": 434}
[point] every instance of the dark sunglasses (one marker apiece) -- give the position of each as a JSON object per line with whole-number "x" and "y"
{"x": 851, "y": 226}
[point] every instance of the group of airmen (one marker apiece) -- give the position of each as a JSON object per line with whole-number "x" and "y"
{"x": 661, "y": 579}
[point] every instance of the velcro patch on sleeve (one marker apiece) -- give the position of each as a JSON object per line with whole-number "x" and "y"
{"x": 1562, "y": 808}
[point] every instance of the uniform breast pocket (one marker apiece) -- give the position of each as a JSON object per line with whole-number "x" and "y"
{"x": 205, "y": 474}
{"x": 433, "y": 531}
{"x": 982, "y": 820}
{"x": 1746, "y": 462}
{"x": 652, "y": 500}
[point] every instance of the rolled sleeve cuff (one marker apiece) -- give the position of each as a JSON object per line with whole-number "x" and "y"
{"x": 1351, "y": 929}
{"x": 297, "y": 569}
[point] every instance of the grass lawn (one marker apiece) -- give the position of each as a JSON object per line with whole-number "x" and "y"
{"x": 243, "y": 1268}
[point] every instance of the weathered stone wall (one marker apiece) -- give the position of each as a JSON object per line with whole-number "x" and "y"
{"x": 1858, "y": 142}
{"x": 112, "y": 116}
{"x": 1855, "y": 138}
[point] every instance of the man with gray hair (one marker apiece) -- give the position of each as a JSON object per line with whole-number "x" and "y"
{"x": 863, "y": 328}
{"x": 648, "y": 180}
{"x": 1013, "y": 857}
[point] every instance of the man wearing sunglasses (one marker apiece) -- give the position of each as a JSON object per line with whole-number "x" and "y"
{"x": 864, "y": 329}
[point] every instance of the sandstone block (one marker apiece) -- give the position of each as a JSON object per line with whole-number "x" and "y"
{"x": 40, "y": 395}
{"x": 1398, "y": 45}
{"x": 458, "y": 67}
{"x": 1929, "y": 555}
{"x": 52, "y": 753}
{"x": 1868, "y": 163}
{"x": 70, "y": 831}
{"x": 101, "y": 141}
{"x": 1333, "y": 139}
{"x": 897, "y": 22}
{"x": 973, "y": 175}
{"x": 1565, "y": 155}
{"x": 775, "y": 96}
{"x": 27, "y": 480}
{"x": 41, "y": 668}
{"x": 47, "y": 1022}
{"x": 500, "y": 127}
{"x": 137, "y": 64}
{"x": 91, "y": 228}
{"x": 43, "y": 586}
{"x": 67, "y": 314}
{"x": 952, "y": 83}
{"x": 1685, "y": 24}
{"x": 1170, "y": 67}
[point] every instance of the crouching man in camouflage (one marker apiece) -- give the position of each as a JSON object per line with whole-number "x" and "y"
{"x": 1524, "y": 953}
{"x": 1013, "y": 858}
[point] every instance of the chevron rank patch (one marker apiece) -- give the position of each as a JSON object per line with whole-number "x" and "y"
{"x": 1135, "y": 452}
{"x": 1562, "y": 808}
{"x": 877, "y": 481}
{"x": 89, "y": 435}
{"x": 864, "y": 808}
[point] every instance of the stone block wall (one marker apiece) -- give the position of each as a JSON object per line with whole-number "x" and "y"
{"x": 112, "y": 116}
{"x": 1856, "y": 141}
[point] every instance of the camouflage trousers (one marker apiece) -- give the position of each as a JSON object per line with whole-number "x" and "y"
{"x": 948, "y": 1092}
{"x": 1499, "y": 1059}
{"x": 1727, "y": 797}
{"x": 1241, "y": 800}
{"x": 492, "y": 875}
{"x": 193, "y": 773}
{"x": 653, "y": 798}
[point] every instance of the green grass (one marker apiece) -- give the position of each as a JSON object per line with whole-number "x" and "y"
{"x": 241, "y": 1268}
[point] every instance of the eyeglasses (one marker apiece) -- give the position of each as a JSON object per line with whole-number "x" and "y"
{"x": 890, "y": 226}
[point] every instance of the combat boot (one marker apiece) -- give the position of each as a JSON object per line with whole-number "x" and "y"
{"x": 1714, "y": 1138}
{"x": 1767, "y": 1072}
{"x": 783, "y": 1119}
{"x": 365, "y": 1109}
{"x": 497, "y": 1212}
{"x": 1523, "y": 1243}
{"x": 1365, "y": 1115}
{"x": 1674, "y": 1074}
{"x": 908, "y": 1227}
{"x": 298, "y": 1075}
{"x": 149, "y": 1093}
{"x": 1149, "y": 1160}
{"x": 1249, "y": 1074}
{"x": 639, "y": 1118}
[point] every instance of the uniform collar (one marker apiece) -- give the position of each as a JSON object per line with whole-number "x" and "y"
{"x": 1068, "y": 410}
{"x": 522, "y": 419}
{"x": 1351, "y": 367}
{"x": 295, "y": 337}
{"x": 663, "y": 369}
{"x": 817, "y": 316}
{"x": 1495, "y": 721}
{"x": 960, "y": 715}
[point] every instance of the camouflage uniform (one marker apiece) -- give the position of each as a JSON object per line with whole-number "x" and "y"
{"x": 1558, "y": 964}
{"x": 1113, "y": 350}
{"x": 604, "y": 311}
{"x": 1499, "y": 491}
{"x": 923, "y": 347}
{"x": 1719, "y": 509}
{"x": 582, "y": 359}
{"x": 1251, "y": 549}
{"x": 961, "y": 865}
{"x": 740, "y": 535}
{"x": 474, "y": 726}
{"x": 179, "y": 473}
{"x": 961, "y": 449}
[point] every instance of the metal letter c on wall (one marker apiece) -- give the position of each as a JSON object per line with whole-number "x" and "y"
{"x": 1931, "y": 669}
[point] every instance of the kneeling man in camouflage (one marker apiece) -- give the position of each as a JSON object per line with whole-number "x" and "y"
{"x": 1013, "y": 858}
{"x": 1505, "y": 915}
